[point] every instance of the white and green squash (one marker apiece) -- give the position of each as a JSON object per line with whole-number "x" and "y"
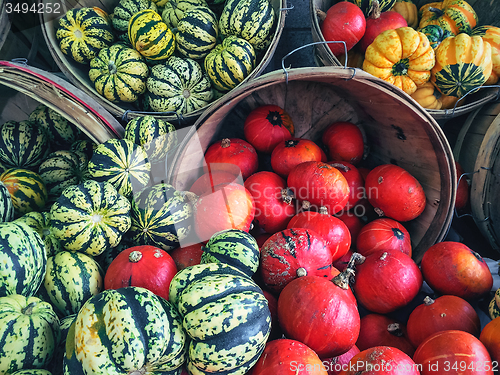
{"x": 6, "y": 205}
{"x": 174, "y": 10}
{"x": 40, "y": 223}
{"x": 125, "y": 10}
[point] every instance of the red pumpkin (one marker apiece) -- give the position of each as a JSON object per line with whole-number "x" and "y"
{"x": 293, "y": 253}
{"x": 453, "y": 268}
{"x": 386, "y": 281}
{"x": 490, "y": 337}
{"x": 453, "y": 352}
{"x": 381, "y": 360}
{"x": 229, "y": 206}
{"x": 341, "y": 263}
{"x": 354, "y": 180}
{"x": 379, "y": 22}
{"x": 273, "y": 208}
{"x": 383, "y": 234}
{"x": 187, "y": 256}
{"x": 335, "y": 365}
{"x": 320, "y": 184}
{"x": 288, "y": 357}
{"x": 343, "y": 21}
{"x": 322, "y": 315}
{"x": 344, "y": 141}
{"x": 334, "y": 232}
{"x": 145, "y": 266}
{"x": 354, "y": 223}
{"x": 232, "y": 151}
{"x": 395, "y": 193}
{"x": 288, "y": 154}
{"x": 462, "y": 197}
{"x": 266, "y": 126}
{"x": 381, "y": 330}
{"x": 207, "y": 182}
{"x": 442, "y": 314}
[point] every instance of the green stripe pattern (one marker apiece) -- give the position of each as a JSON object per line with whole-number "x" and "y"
{"x": 150, "y": 36}
{"x": 23, "y": 144}
{"x": 40, "y": 223}
{"x": 71, "y": 279}
{"x": 62, "y": 133}
{"x": 229, "y": 63}
{"x": 174, "y": 10}
{"x": 125, "y": 331}
{"x": 29, "y": 333}
{"x": 123, "y": 164}
{"x": 119, "y": 73}
{"x": 23, "y": 260}
{"x": 161, "y": 216}
{"x": 179, "y": 85}
{"x": 235, "y": 247}
{"x": 85, "y": 146}
{"x": 6, "y": 205}
{"x": 251, "y": 20}
{"x": 156, "y": 136}
{"x": 82, "y": 33}
{"x": 197, "y": 32}
{"x": 126, "y": 9}
{"x": 90, "y": 217}
{"x": 32, "y": 372}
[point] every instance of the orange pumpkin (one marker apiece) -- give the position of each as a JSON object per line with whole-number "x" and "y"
{"x": 491, "y": 34}
{"x": 427, "y": 96}
{"x": 490, "y": 337}
{"x": 457, "y": 16}
{"x": 408, "y": 10}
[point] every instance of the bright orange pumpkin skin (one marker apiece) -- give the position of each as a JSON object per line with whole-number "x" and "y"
{"x": 491, "y": 34}
{"x": 490, "y": 337}
{"x": 457, "y": 16}
{"x": 383, "y": 234}
{"x": 290, "y": 153}
{"x": 408, "y": 10}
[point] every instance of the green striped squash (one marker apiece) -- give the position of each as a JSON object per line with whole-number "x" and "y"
{"x": 174, "y": 10}
{"x": 251, "y": 20}
{"x": 126, "y": 9}
{"x": 6, "y": 205}
{"x": 130, "y": 330}
{"x": 119, "y": 73}
{"x": 436, "y": 34}
{"x": 62, "y": 169}
{"x": 150, "y": 36}
{"x": 62, "y": 133}
{"x": 32, "y": 372}
{"x": 161, "y": 216}
{"x": 235, "y": 247}
{"x": 26, "y": 188}
{"x": 55, "y": 366}
{"x": 179, "y": 85}
{"x": 228, "y": 320}
{"x": 156, "y": 136}
{"x": 40, "y": 223}
{"x": 90, "y": 217}
{"x": 71, "y": 279}
{"x": 197, "y": 32}
{"x": 122, "y": 163}
{"x": 23, "y": 144}
{"x": 86, "y": 146}
{"x": 29, "y": 333}
{"x": 23, "y": 260}
{"x": 83, "y": 32}
{"x": 367, "y": 5}
{"x": 229, "y": 63}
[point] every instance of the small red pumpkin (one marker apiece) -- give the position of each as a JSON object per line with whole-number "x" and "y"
{"x": 320, "y": 184}
{"x": 383, "y": 234}
{"x": 444, "y": 313}
{"x": 187, "y": 256}
{"x": 293, "y": 253}
{"x": 273, "y": 207}
{"x": 288, "y": 154}
{"x": 229, "y": 206}
{"x": 386, "y": 281}
{"x": 462, "y": 197}
{"x": 266, "y": 126}
{"x": 395, "y": 193}
{"x": 335, "y": 365}
{"x": 453, "y": 352}
{"x": 333, "y": 230}
{"x": 490, "y": 337}
{"x": 232, "y": 151}
{"x": 453, "y": 268}
{"x": 354, "y": 180}
{"x": 144, "y": 266}
{"x": 209, "y": 180}
{"x": 344, "y": 141}
{"x": 343, "y": 21}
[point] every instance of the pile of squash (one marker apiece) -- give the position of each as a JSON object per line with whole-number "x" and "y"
{"x": 175, "y": 56}
{"x": 437, "y": 54}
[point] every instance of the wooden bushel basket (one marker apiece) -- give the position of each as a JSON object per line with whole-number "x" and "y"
{"x": 487, "y": 12}
{"x": 397, "y": 131}
{"x": 477, "y": 149}
{"x": 25, "y": 87}
{"x": 78, "y": 73}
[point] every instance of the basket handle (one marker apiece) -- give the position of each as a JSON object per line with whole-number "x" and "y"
{"x": 179, "y": 116}
{"x": 471, "y": 91}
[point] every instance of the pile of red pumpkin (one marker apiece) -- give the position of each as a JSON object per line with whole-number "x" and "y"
{"x": 301, "y": 206}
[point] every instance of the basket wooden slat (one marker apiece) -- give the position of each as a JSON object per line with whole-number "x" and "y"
{"x": 4, "y": 23}
{"x": 78, "y": 73}
{"x": 397, "y": 132}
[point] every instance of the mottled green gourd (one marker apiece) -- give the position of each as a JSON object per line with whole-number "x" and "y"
{"x": 235, "y": 247}
{"x": 435, "y": 34}
{"x": 131, "y": 331}
{"x": 32, "y": 372}
{"x": 126, "y": 9}
{"x": 83, "y": 32}
{"x": 62, "y": 133}
{"x": 6, "y": 205}
{"x": 29, "y": 333}
{"x": 174, "y": 10}
{"x": 40, "y": 223}
{"x": 84, "y": 145}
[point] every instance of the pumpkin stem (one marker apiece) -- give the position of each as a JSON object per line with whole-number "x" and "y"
{"x": 306, "y": 206}
{"x": 28, "y": 310}
{"x": 341, "y": 166}
{"x": 401, "y": 67}
{"x": 428, "y": 301}
{"x": 135, "y": 256}
{"x": 225, "y": 143}
{"x": 287, "y": 195}
{"x": 343, "y": 279}
{"x": 321, "y": 15}
{"x": 378, "y": 211}
{"x": 323, "y": 210}
{"x": 112, "y": 67}
{"x": 301, "y": 271}
{"x": 437, "y": 12}
{"x": 395, "y": 329}
{"x": 375, "y": 10}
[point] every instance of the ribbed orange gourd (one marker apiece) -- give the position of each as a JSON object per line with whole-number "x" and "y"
{"x": 491, "y": 34}
{"x": 403, "y": 57}
{"x": 457, "y": 16}
{"x": 408, "y": 10}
